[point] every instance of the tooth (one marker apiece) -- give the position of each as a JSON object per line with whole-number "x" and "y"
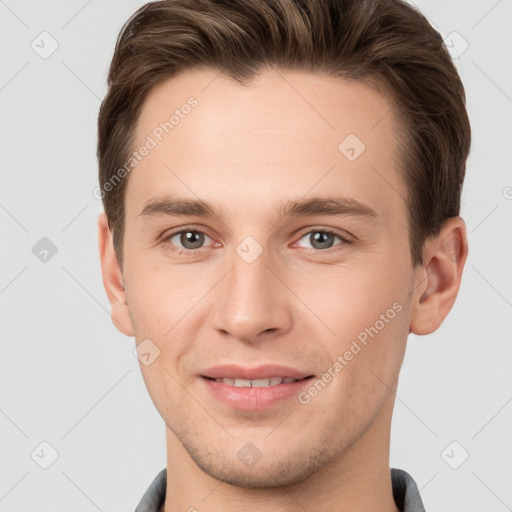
{"x": 260, "y": 383}
{"x": 256, "y": 383}
{"x": 243, "y": 383}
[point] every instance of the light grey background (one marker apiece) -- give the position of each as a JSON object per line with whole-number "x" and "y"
{"x": 69, "y": 378}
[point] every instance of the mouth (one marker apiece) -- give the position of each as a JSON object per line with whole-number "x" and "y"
{"x": 254, "y": 389}
{"x": 263, "y": 375}
{"x": 257, "y": 383}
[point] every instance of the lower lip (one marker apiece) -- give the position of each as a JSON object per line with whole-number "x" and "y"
{"x": 255, "y": 398}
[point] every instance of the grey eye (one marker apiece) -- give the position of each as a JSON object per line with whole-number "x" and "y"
{"x": 319, "y": 239}
{"x": 189, "y": 239}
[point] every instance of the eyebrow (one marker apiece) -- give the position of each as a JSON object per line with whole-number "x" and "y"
{"x": 334, "y": 206}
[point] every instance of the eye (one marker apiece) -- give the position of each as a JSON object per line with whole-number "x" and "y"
{"x": 186, "y": 240}
{"x": 189, "y": 241}
{"x": 323, "y": 239}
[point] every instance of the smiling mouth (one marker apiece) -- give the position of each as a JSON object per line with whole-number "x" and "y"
{"x": 258, "y": 383}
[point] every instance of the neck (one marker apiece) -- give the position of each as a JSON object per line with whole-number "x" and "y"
{"x": 358, "y": 480}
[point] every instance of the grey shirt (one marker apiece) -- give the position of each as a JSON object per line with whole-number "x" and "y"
{"x": 405, "y": 493}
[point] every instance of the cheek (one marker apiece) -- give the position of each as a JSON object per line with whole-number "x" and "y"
{"x": 160, "y": 297}
{"x": 349, "y": 298}
{"x": 364, "y": 314}
{"x": 166, "y": 307}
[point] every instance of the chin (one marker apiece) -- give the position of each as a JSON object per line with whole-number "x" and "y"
{"x": 267, "y": 471}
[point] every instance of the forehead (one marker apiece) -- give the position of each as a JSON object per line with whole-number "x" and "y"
{"x": 283, "y": 134}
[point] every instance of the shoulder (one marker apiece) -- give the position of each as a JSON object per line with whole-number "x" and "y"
{"x": 405, "y": 491}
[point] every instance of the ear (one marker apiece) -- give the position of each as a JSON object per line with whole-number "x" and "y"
{"x": 113, "y": 278}
{"x": 438, "y": 279}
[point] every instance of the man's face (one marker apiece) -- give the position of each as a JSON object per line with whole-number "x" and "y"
{"x": 263, "y": 288}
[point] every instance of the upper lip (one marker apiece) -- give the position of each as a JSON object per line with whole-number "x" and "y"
{"x": 266, "y": 371}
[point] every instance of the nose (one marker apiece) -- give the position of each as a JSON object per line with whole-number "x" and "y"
{"x": 252, "y": 302}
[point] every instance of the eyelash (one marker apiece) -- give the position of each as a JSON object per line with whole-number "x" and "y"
{"x": 193, "y": 252}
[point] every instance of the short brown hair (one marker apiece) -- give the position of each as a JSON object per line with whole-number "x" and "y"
{"x": 387, "y": 41}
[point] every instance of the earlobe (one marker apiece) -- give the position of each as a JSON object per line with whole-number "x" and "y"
{"x": 113, "y": 278}
{"x": 438, "y": 280}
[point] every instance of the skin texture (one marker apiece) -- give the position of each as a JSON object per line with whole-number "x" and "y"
{"x": 246, "y": 150}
